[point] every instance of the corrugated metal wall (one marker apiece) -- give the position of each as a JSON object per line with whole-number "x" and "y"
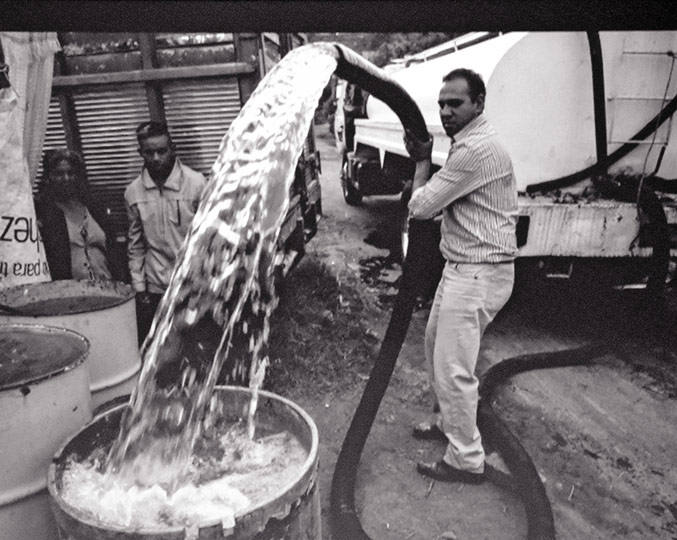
{"x": 199, "y": 114}
{"x": 107, "y": 119}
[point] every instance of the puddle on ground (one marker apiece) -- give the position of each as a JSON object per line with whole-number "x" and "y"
{"x": 383, "y": 274}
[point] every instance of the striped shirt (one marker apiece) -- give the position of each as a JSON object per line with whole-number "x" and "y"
{"x": 477, "y": 192}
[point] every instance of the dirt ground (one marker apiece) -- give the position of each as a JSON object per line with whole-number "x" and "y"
{"x": 602, "y": 437}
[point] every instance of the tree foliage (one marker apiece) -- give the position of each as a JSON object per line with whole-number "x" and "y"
{"x": 381, "y": 48}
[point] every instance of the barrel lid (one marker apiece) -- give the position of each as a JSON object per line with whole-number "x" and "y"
{"x": 31, "y": 353}
{"x": 65, "y": 297}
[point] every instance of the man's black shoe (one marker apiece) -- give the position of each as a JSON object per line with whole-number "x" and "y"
{"x": 441, "y": 470}
{"x": 429, "y": 432}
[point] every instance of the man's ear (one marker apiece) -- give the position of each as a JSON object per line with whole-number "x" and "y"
{"x": 480, "y": 102}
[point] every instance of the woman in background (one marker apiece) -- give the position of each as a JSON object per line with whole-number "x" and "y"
{"x": 70, "y": 225}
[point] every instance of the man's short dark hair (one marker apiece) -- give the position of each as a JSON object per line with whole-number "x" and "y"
{"x": 150, "y": 129}
{"x": 474, "y": 80}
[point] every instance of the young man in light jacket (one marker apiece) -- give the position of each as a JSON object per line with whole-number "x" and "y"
{"x": 161, "y": 203}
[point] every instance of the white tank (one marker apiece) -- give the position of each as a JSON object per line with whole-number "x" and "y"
{"x": 540, "y": 99}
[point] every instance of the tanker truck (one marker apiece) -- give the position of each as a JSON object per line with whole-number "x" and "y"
{"x": 587, "y": 120}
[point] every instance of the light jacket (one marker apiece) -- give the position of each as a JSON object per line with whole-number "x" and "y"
{"x": 159, "y": 219}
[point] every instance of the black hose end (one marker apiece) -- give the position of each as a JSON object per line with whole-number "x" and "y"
{"x": 358, "y": 70}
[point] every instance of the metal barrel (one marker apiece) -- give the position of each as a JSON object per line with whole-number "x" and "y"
{"x": 104, "y": 312}
{"x": 44, "y": 399}
{"x": 292, "y": 512}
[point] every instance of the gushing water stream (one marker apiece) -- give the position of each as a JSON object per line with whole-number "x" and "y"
{"x": 225, "y": 266}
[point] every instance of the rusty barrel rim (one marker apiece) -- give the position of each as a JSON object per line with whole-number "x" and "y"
{"x": 81, "y": 352}
{"x": 307, "y": 476}
{"x": 116, "y": 291}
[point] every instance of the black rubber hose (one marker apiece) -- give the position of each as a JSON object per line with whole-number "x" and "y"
{"x": 664, "y": 185}
{"x": 656, "y": 228}
{"x": 345, "y": 523}
{"x": 529, "y": 487}
{"x": 649, "y": 204}
{"x": 612, "y": 158}
{"x": 355, "y": 69}
{"x": 658, "y": 231}
{"x": 598, "y": 97}
{"x": 499, "y": 373}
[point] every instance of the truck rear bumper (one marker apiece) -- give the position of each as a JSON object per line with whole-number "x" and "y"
{"x": 600, "y": 228}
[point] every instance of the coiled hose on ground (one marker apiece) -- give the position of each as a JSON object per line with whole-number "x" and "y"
{"x": 345, "y": 523}
{"x": 527, "y": 482}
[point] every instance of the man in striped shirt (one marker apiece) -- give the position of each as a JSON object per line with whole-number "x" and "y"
{"x": 476, "y": 192}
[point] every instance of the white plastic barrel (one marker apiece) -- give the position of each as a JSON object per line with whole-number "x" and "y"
{"x": 44, "y": 399}
{"x": 103, "y": 312}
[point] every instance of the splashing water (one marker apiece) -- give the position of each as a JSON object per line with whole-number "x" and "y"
{"x": 229, "y": 473}
{"x": 224, "y": 269}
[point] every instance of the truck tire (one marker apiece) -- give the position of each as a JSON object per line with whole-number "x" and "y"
{"x": 351, "y": 194}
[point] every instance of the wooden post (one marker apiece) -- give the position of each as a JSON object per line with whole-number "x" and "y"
{"x": 247, "y": 50}
{"x": 286, "y": 44}
{"x": 156, "y": 104}
{"x": 67, "y": 108}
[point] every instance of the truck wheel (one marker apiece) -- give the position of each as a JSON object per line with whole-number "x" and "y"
{"x": 351, "y": 194}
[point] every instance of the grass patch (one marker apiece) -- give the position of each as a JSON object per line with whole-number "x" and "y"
{"x": 320, "y": 337}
